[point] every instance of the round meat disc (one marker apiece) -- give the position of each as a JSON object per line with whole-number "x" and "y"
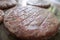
{"x": 4, "y": 4}
{"x": 39, "y": 3}
{"x": 31, "y": 23}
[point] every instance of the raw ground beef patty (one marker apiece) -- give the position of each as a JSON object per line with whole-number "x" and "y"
{"x": 31, "y": 23}
{"x": 7, "y": 4}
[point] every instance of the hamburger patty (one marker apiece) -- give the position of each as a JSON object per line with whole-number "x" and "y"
{"x": 39, "y": 3}
{"x": 4, "y": 4}
{"x": 31, "y": 23}
{"x": 1, "y": 15}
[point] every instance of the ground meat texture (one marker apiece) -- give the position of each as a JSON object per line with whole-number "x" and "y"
{"x": 31, "y": 23}
{"x": 1, "y": 15}
{"x": 39, "y": 3}
{"x": 4, "y": 4}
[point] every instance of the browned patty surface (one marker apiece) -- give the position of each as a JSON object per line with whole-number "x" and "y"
{"x": 31, "y": 22}
{"x": 39, "y": 3}
{"x": 4, "y": 4}
{"x": 1, "y": 15}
